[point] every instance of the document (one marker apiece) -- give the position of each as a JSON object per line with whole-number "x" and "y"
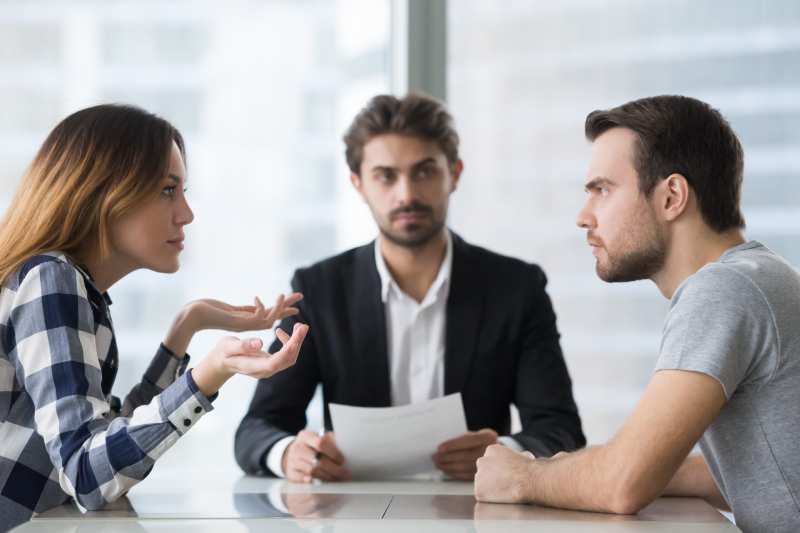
{"x": 392, "y": 442}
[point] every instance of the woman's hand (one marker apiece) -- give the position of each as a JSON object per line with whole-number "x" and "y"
{"x": 245, "y": 356}
{"x": 214, "y": 314}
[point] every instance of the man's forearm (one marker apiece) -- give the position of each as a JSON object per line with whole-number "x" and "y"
{"x": 598, "y": 478}
{"x": 581, "y": 480}
{"x": 694, "y": 479}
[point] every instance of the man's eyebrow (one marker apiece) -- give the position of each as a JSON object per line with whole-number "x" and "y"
{"x": 424, "y": 162}
{"x": 598, "y": 182}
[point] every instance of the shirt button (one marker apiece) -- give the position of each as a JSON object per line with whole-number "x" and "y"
{"x": 197, "y": 410}
{"x": 187, "y": 422}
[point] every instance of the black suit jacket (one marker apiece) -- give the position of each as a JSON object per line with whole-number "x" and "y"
{"x": 501, "y": 347}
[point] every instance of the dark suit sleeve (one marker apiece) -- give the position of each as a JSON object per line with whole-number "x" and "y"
{"x": 278, "y": 408}
{"x": 543, "y": 389}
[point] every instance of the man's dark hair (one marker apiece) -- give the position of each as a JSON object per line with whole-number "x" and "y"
{"x": 416, "y": 115}
{"x": 682, "y": 135}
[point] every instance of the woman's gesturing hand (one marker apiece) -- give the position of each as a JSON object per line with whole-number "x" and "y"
{"x": 245, "y": 356}
{"x": 214, "y": 314}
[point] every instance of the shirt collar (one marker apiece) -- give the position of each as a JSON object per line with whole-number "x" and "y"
{"x": 84, "y": 270}
{"x": 388, "y": 283}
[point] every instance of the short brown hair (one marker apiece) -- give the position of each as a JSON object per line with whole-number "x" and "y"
{"x": 682, "y": 135}
{"x": 416, "y": 115}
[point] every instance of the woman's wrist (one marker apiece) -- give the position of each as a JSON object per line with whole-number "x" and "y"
{"x": 180, "y": 333}
{"x": 210, "y": 374}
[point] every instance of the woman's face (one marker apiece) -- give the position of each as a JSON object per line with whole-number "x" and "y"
{"x": 151, "y": 236}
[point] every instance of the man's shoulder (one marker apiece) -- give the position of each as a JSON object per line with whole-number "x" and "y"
{"x": 338, "y": 265}
{"x": 751, "y": 271}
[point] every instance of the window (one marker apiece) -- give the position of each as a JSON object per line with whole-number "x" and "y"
{"x": 262, "y": 91}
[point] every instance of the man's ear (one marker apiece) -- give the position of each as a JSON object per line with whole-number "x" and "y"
{"x": 673, "y": 196}
{"x": 355, "y": 179}
{"x": 455, "y": 171}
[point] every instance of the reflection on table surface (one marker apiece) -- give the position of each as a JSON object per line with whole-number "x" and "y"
{"x": 277, "y": 506}
{"x": 209, "y": 505}
{"x": 673, "y": 510}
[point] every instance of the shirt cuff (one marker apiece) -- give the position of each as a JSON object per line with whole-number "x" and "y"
{"x": 510, "y": 443}
{"x": 183, "y": 404}
{"x": 275, "y": 456}
{"x": 165, "y": 368}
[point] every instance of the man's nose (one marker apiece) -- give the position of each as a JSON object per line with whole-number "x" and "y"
{"x": 406, "y": 191}
{"x": 586, "y": 219}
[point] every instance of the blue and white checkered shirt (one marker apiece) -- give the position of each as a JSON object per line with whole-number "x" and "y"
{"x": 62, "y": 434}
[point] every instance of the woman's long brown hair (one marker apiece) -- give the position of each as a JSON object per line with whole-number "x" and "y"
{"x": 95, "y": 166}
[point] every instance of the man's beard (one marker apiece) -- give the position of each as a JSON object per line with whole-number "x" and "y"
{"x": 644, "y": 254}
{"x": 414, "y": 235}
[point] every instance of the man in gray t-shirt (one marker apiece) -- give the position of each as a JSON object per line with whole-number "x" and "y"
{"x": 737, "y": 320}
{"x": 663, "y": 192}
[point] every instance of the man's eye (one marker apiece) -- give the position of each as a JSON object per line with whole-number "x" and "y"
{"x": 430, "y": 171}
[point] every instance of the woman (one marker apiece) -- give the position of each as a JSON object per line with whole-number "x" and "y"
{"x": 103, "y": 197}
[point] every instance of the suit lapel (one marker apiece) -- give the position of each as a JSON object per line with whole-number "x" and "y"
{"x": 464, "y": 310}
{"x": 369, "y": 329}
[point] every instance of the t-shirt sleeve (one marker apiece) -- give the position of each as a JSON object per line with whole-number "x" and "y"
{"x": 720, "y": 324}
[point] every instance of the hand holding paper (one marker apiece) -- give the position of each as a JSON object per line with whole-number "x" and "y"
{"x": 391, "y": 442}
{"x": 314, "y": 456}
{"x": 458, "y": 457}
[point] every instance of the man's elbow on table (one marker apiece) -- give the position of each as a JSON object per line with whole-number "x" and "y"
{"x": 632, "y": 490}
{"x": 626, "y": 500}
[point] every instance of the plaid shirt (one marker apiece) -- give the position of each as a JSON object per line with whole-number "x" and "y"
{"x": 62, "y": 434}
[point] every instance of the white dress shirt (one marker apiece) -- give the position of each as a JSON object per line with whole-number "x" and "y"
{"x": 415, "y": 338}
{"x": 415, "y": 333}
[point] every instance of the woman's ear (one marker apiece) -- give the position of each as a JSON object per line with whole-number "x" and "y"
{"x": 672, "y": 196}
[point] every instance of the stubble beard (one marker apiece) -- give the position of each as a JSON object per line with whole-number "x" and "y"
{"x": 642, "y": 255}
{"x": 417, "y": 235}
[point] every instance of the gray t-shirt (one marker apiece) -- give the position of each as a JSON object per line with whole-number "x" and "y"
{"x": 738, "y": 320}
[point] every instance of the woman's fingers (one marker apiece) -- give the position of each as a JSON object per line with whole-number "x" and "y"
{"x": 235, "y": 346}
{"x": 279, "y": 303}
{"x": 299, "y": 332}
{"x": 282, "y": 336}
{"x": 254, "y": 362}
{"x": 287, "y": 355}
{"x": 294, "y": 298}
{"x": 258, "y": 307}
{"x": 260, "y": 317}
{"x": 288, "y": 311}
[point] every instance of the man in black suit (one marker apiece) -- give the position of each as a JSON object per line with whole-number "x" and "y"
{"x": 416, "y": 314}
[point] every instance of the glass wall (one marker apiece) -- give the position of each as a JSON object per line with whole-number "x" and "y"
{"x": 262, "y": 91}
{"x": 522, "y": 77}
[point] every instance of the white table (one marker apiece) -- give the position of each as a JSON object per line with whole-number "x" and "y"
{"x": 401, "y": 506}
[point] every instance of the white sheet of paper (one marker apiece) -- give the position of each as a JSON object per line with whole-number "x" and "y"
{"x": 391, "y": 442}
